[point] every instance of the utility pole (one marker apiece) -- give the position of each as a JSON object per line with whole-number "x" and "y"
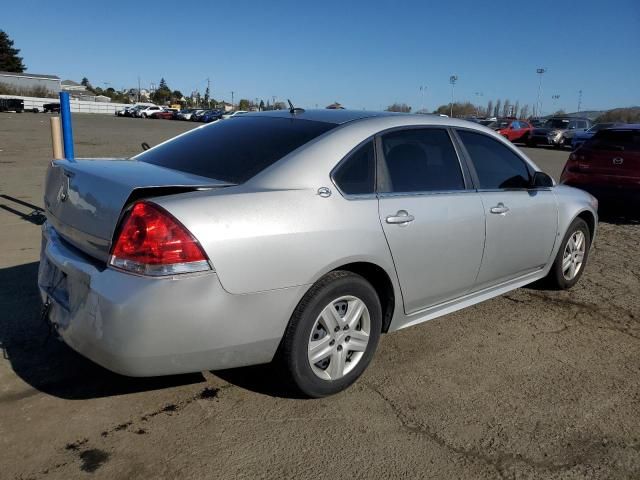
{"x": 232, "y": 103}
{"x": 478, "y": 94}
{"x": 423, "y": 88}
{"x": 452, "y": 80}
{"x": 138, "y": 100}
{"x": 273, "y": 105}
{"x": 579, "y": 99}
{"x": 540, "y": 72}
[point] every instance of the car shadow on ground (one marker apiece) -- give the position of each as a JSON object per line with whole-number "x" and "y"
{"x": 619, "y": 213}
{"x": 47, "y": 364}
{"x": 262, "y": 379}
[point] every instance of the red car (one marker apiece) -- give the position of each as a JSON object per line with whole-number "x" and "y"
{"x": 607, "y": 165}
{"x": 511, "y": 129}
{"x": 164, "y": 114}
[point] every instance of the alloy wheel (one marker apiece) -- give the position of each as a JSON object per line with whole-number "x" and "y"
{"x": 573, "y": 256}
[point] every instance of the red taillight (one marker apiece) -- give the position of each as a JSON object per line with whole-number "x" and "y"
{"x": 152, "y": 242}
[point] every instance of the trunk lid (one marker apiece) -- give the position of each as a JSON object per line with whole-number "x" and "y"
{"x": 84, "y": 199}
{"x": 610, "y": 162}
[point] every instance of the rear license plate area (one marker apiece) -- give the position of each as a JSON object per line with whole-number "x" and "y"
{"x": 55, "y": 283}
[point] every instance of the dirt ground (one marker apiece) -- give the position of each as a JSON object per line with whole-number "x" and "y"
{"x": 534, "y": 384}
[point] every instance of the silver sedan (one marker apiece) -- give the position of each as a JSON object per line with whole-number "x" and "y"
{"x": 297, "y": 236}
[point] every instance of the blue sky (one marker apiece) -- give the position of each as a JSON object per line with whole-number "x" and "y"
{"x": 362, "y": 54}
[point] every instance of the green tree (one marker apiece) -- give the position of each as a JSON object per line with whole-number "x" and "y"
{"x": 85, "y": 82}
{"x": 162, "y": 93}
{"x": 206, "y": 97}
{"x": 244, "y": 104}
{"x": 9, "y": 59}
{"x": 466, "y": 109}
{"x": 176, "y": 95}
{"x": 261, "y": 105}
{"x": 399, "y": 107}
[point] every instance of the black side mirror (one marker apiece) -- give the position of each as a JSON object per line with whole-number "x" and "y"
{"x": 541, "y": 180}
{"x": 145, "y": 146}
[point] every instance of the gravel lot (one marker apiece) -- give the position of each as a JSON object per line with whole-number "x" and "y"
{"x": 534, "y": 384}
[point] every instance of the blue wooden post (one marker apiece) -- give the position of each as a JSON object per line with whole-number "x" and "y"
{"x": 67, "y": 132}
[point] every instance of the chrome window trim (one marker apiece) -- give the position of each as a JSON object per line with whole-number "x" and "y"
{"x": 498, "y": 190}
{"x": 423, "y": 194}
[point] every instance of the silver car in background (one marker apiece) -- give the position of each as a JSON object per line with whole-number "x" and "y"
{"x": 297, "y": 236}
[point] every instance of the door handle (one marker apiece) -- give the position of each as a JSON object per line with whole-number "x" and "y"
{"x": 499, "y": 209}
{"x": 402, "y": 217}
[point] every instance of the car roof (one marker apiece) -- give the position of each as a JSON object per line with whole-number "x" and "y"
{"x": 628, "y": 126}
{"x": 382, "y": 120}
{"x": 337, "y": 117}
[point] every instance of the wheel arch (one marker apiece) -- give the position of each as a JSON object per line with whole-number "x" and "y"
{"x": 590, "y": 220}
{"x": 382, "y": 284}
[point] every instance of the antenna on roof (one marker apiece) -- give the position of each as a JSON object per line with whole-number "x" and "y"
{"x": 293, "y": 110}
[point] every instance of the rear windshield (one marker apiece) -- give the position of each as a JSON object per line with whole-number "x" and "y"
{"x": 623, "y": 140}
{"x": 236, "y": 149}
{"x": 557, "y": 123}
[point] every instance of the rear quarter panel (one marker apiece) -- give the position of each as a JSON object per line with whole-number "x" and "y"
{"x": 268, "y": 239}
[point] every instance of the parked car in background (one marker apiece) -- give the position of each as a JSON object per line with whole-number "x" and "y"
{"x": 195, "y": 114}
{"x": 51, "y": 108}
{"x": 537, "y": 122}
{"x": 233, "y": 114}
{"x": 305, "y": 235}
{"x": 148, "y": 111}
{"x": 185, "y": 114}
{"x": 211, "y": 116}
{"x": 11, "y": 105}
{"x": 580, "y": 137}
{"x": 608, "y": 164}
{"x": 558, "y": 131}
{"x": 511, "y": 129}
{"x": 165, "y": 114}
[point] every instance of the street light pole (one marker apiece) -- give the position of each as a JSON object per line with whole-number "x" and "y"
{"x": 452, "y": 80}
{"x": 423, "y": 89}
{"x": 540, "y": 72}
{"x": 232, "y": 103}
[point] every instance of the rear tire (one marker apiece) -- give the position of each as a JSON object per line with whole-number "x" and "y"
{"x": 572, "y": 256}
{"x": 338, "y": 323}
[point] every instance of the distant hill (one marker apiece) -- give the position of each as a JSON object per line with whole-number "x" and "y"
{"x": 590, "y": 114}
{"x": 626, "y": 114}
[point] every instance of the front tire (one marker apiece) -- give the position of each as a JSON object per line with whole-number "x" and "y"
{"x": 332, "y": 335}
{"x": 572, "y": 256}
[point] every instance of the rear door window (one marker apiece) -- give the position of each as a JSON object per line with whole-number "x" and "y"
{"x": 420, "y": 160}
{"x": 497, "y": 166}
{"x": 237, "y": 149}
